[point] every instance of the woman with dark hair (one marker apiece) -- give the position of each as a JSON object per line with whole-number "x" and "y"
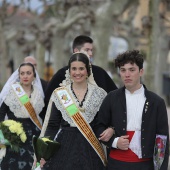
{"x": 71, "y": 114}
{"x": 22, "y": 100}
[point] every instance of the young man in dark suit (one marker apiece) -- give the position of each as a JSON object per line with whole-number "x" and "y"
{"x": 139, "y": 118}
{"x": 103, "y": 80}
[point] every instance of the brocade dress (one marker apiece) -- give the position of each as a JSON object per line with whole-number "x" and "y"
{"x": 12, "y": 108}
{"x": 75, "y": 152}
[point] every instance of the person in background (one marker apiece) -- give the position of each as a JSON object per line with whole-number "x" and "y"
{"x": 138, "y": 116}
{"x": 48, "y": 71}
{"x": 102, "y": 79}
{"x": 80, "y": 149}
{"x": 32, "y": 60}
{"x": 25, "y": 81}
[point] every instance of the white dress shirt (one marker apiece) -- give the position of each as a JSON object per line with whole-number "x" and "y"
{"x": 134, "y": 103}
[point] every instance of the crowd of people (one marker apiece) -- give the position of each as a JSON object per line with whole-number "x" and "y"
{"x": 99, "y": 126}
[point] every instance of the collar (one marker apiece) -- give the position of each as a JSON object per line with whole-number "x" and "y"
{"x": 139, "y": 91}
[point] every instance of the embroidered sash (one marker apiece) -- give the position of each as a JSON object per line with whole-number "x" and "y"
{"x": 80, "y": 122}
{"x": 25, "y": 101}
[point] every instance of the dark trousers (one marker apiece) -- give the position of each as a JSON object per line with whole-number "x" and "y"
{"x": 120, "y": 165}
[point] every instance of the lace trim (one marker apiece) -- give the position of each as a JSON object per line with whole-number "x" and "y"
{"x": 68, "y": 81}
{"x": 17, "y": 108}
{"x": 91, "y": 104}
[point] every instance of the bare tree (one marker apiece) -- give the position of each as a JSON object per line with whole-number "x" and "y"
{"x": 106, "y": 16}
{"x": 3, "y": 45}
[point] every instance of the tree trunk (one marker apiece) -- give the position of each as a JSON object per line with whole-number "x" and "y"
{"x": 153, "y": 77}
{"x": 3, "y": 56}
{"x": 40, "y": 56}
{"x": 57, "y": 52}
{"x": 61, "y": 29}
{"x": 19, "y": 56}
{"x": 103, "y": 27}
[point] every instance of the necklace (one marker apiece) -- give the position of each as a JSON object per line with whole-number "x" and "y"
{"x": 80, "y": 103}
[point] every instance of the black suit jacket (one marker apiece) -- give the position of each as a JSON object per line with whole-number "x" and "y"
{"x": 44, "y": 85}
{"x": 154, "y": 120}
{"x": 101, "y": 77}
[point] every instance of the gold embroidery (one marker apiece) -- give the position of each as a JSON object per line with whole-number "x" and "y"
{"x": 32, "y": 113}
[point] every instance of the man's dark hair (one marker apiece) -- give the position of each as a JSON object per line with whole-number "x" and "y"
{"x": 80, "y": 40}
{"x": 130, "y": 57}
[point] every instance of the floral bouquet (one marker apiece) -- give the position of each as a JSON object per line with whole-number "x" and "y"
{"x": 12, "y": 134}
{"x": 159, "y": 151}
{"x": 44, "y": 148}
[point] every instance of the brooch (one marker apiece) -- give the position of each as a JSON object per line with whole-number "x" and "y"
{"x": 146, "y": 106}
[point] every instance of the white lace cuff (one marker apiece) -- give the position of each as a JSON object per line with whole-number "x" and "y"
{"x": 114, "y": 144}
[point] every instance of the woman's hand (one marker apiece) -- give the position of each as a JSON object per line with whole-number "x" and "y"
{"x": 42, "y": 162}
{"x": 107, "y": 134}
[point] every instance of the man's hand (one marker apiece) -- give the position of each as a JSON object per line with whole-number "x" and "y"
{"x": 106, "y": 135}
{"x": 123, "y": 142}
